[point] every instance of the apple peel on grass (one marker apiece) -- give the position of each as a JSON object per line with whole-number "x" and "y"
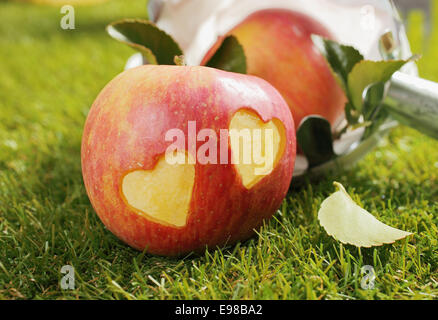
{"x": 348, "y": 223}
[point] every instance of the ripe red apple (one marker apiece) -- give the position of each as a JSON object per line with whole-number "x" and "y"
{"x": 279, "y": 49}
{"x": 149, "y": 116}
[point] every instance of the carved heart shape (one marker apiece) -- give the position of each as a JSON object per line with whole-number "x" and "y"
{"x": 256, "y": 147}
{"x": 163, "y": 194}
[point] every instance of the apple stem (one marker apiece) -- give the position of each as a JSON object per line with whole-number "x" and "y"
{"x": 180, "y": 61}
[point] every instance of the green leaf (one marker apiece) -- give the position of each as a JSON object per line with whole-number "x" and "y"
{"x": 315, "y": 139}
{"x": 229, "y": 57}
{"x": 341, "y": 58}
{"x": 367, "y": 73}
{"x": 364, "y": 84}
{"x": 156, "y": 46}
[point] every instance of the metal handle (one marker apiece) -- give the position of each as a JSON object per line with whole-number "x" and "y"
{"x": 414, "y": 102}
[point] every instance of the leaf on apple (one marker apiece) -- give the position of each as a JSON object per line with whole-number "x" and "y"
{"x": 315, "y": 139}
{"x": 229, "y": 57}
{"x": 363, "y": 81}
{"x": 156, "y": 45}
{"x": 355, "y": 73}
{"x": 367, "y": 73}
{"x": 348, "y": 223}
{"x": 341, "y": 58}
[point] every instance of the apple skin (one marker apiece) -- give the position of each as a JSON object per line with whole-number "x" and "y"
{"x": 125, "y": 131}
{"x": 279, "y": 49}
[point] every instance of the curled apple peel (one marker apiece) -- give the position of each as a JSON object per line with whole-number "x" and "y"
{"x": 348, "y": 223}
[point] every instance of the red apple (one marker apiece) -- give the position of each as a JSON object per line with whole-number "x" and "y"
{"x": 279, "y": 49}
{"x": 149, "y": 116}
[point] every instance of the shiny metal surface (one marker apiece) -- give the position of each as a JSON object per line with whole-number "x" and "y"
{"x": 414, "y": 102}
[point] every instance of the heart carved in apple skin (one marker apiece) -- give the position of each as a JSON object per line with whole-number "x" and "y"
{"x": 172, "y": 209}
{"x": 279, "y": 48}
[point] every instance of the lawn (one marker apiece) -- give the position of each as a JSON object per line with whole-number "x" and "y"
{"x": 49, "y": 79}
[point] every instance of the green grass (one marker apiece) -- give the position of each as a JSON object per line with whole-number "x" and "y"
{"x": 49, "y": 79}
